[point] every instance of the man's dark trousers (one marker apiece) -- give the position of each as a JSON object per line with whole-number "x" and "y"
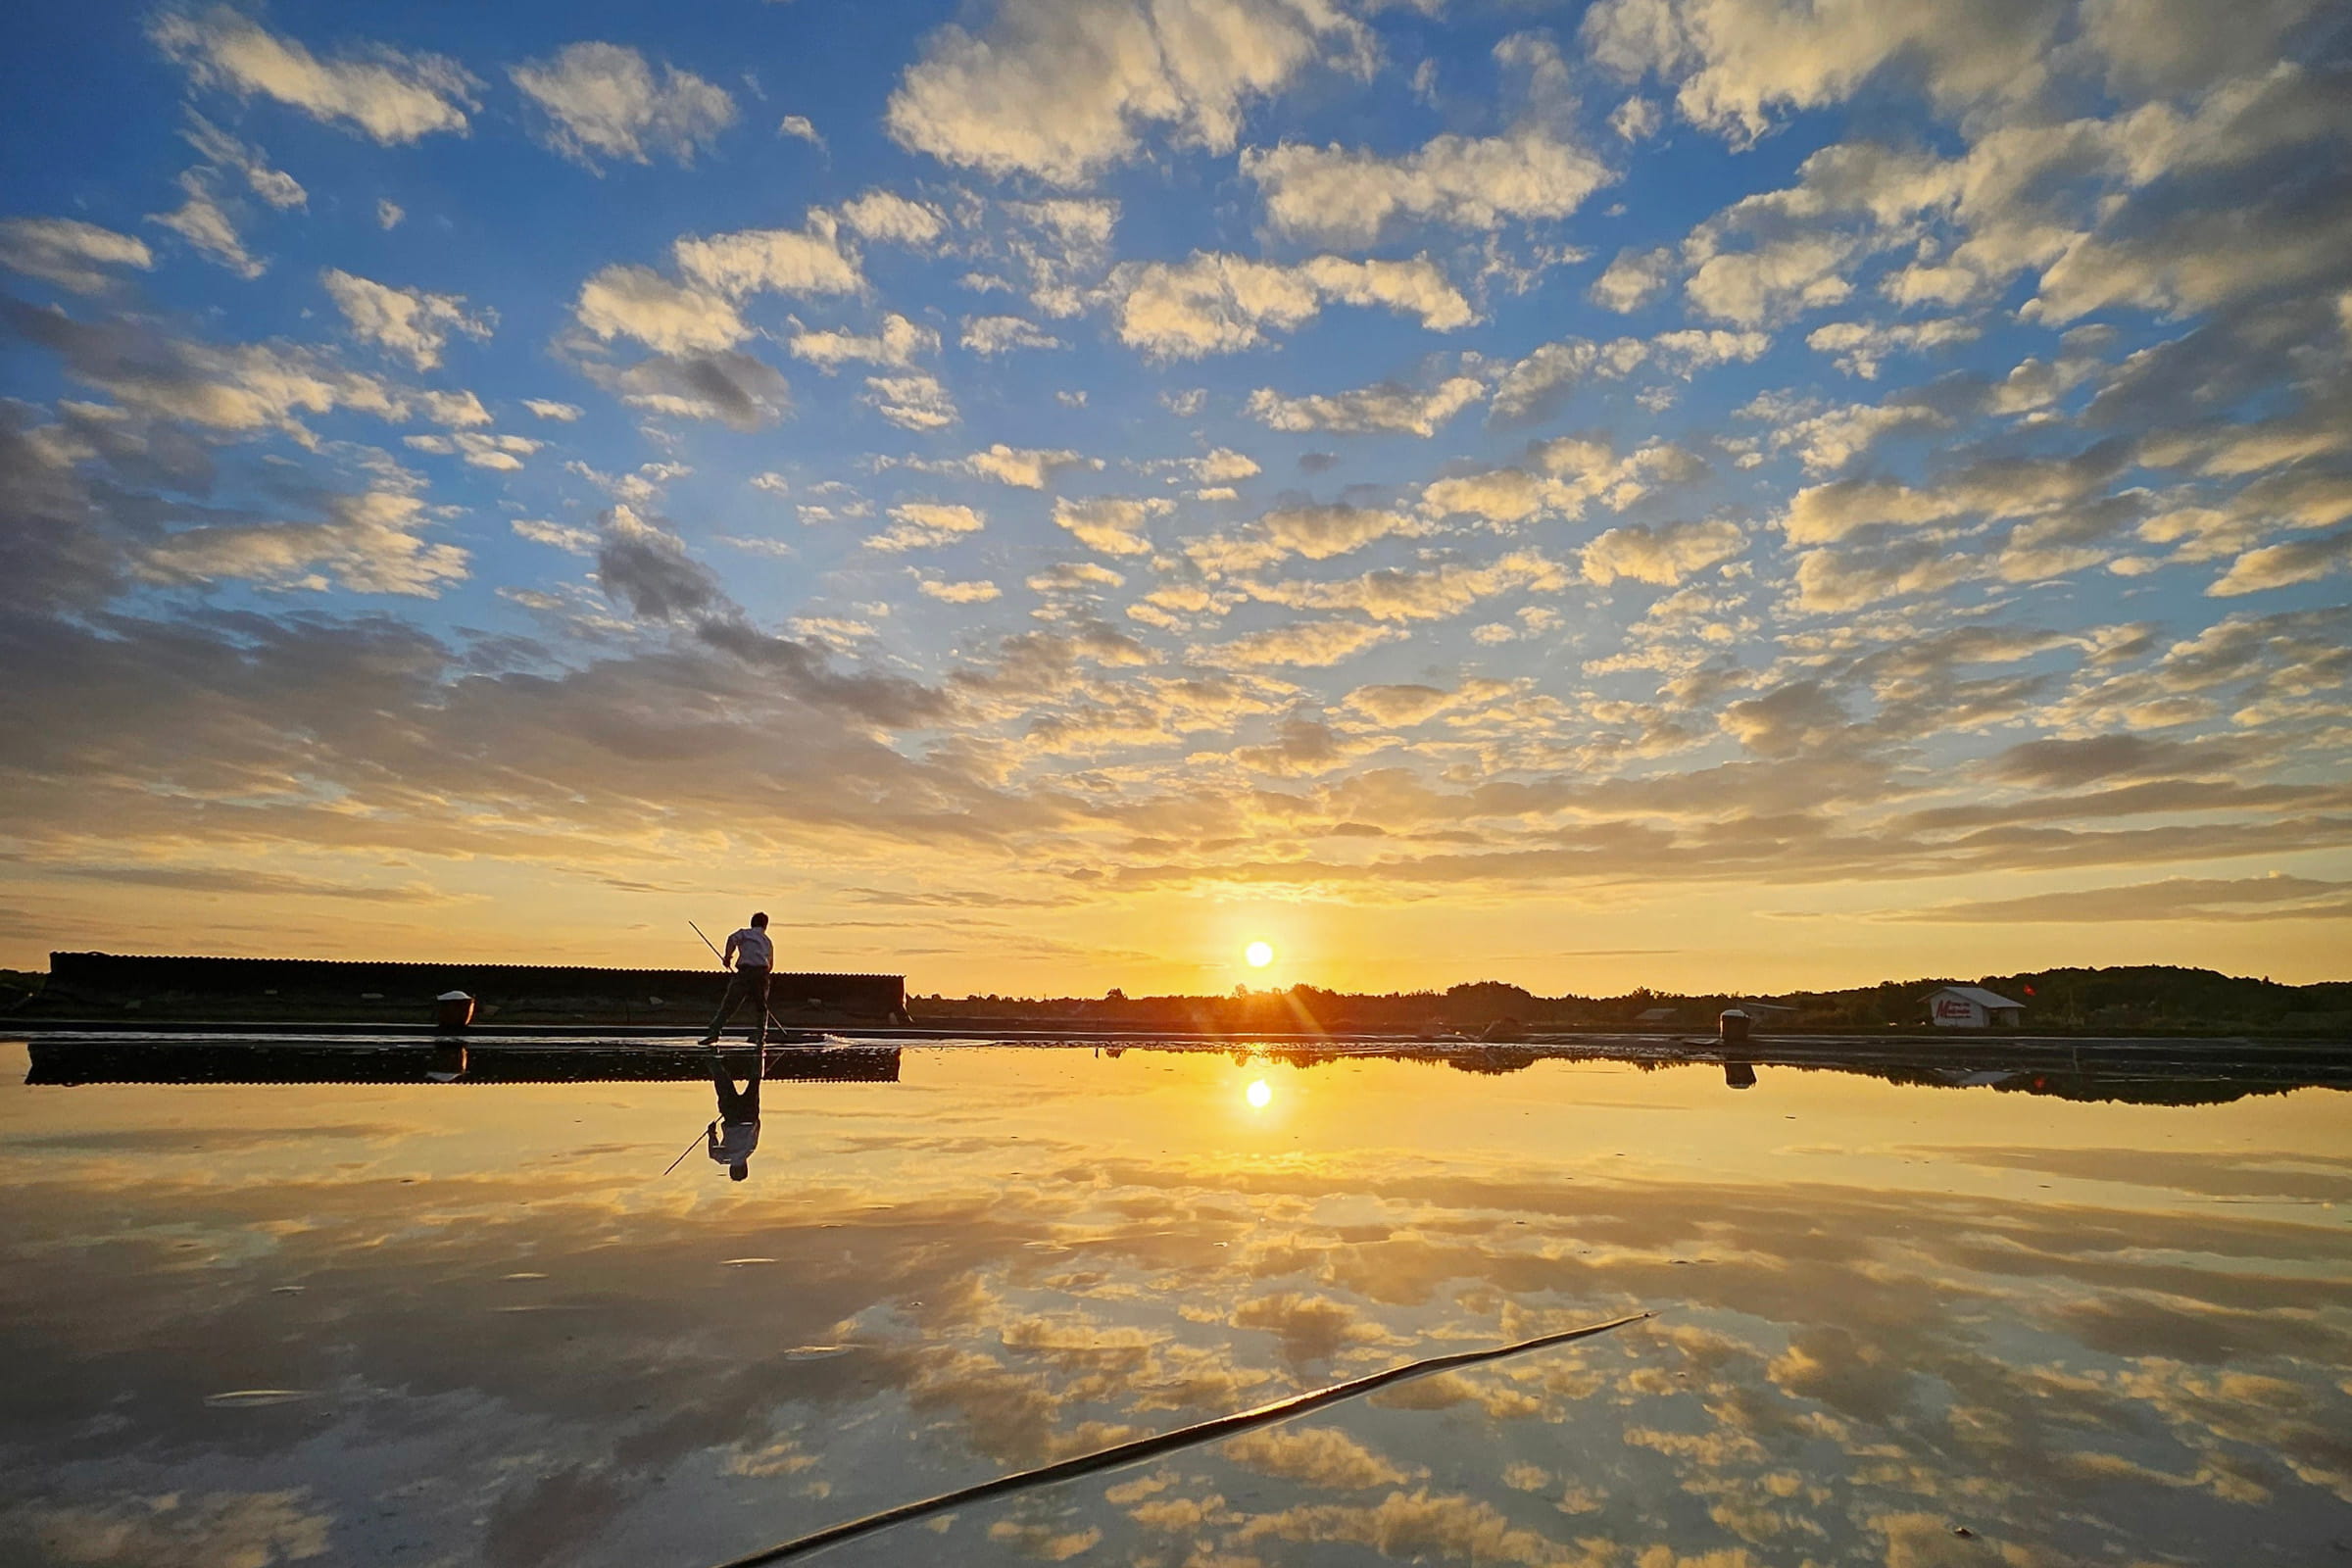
{"x": 749, "y": 981}
{"x": 736, "y": 1106}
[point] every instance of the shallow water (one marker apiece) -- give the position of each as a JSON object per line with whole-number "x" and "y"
{"x": 475, "y": 1323}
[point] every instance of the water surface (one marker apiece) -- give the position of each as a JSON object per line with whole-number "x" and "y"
{"x": 444, "y": 1324}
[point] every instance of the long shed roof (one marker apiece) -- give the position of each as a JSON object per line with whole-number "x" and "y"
{"x": 1981, "y": 996}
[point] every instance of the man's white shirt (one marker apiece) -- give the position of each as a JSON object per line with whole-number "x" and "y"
{"x": 752, "y": 948}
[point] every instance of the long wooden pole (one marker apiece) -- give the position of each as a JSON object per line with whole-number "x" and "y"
{"x": 1143, "y": 1448}
{"x": 698, "y": 1138}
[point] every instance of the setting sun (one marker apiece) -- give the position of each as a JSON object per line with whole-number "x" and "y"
{"x": 1259, "y": 954}
{"x": 1258, "y": 1093}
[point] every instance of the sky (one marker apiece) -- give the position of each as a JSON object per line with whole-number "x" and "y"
{"x": 1706, "y": 494}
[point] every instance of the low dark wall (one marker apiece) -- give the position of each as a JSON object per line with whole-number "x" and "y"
{"x": 112, "y": 985}
{"x": 134, "y": 1062}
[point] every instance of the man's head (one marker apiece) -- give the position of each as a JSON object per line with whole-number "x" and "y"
{"x": 759, "y": 921}
{"x": 739, "y": 1170}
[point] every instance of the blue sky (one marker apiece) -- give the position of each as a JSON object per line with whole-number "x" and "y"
{"x": 1687, "y": 492}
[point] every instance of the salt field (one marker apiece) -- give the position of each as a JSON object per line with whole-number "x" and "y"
{"x": 447, "y": 1323}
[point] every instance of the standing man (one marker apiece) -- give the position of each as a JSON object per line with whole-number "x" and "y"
{"x": 753, "y": 957}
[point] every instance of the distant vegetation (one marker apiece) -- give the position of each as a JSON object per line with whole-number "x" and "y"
{"x": 2146, "y": 999}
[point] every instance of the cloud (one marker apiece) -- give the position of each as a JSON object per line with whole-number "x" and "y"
{"x": 1063, "y": 246}
{"x": 388, "y": 214}
{"x": 808, "y": 261}
{"x": 2276, "y": 897}
{"x": 1223, "y": 464}
{"x": 1431, "y": 593}
{"x": 1738, "y": 61}
{"x": 1991, "y": 488}
{"x": 1058, "y": 89}
{"x": 2200, "y": 256}
{"x": 1210, "y": 305}
{"x": 882, "y": 215}
{"x": 1075, "y": 577}
{"x": 1636, "y": 120}
{"x": 1829, "y": 439}
{"x": 1833, "y": 581}
{"x": 235, "y": 388}
{"x": 408, "y": 322}
{"x": 1113, "y": 524}
{"x": 391, "y": 96}
{"x": 1859, "y": 348}
{"x": 1568, "y": 475}
{"x": 226, "y": 152}
{"x": 1774, "y": 282}
{"x": 548, "y": 408}
{"x": 1309, "y": 644}
{"x": 645, "y": 567}
{"x": 1415, "y": 287}
{"x": 205, "y": 223}
{"x": 924, "y": 524}
{"x": 1536, "y": 386}
{"x": 1536, "y": 169}
{"x": 1320, "y": 1456}
{"x": 1027, "y": 467}
{"x": 67, "y": 252}
{"x": 801, "y": 128}
{"x": 503, "y": 453}
{"x": 369, "y": 543}
{"x": 1334, "y": 196}
{"x": 913, "y": 402}
{"x": 2069, "y": 764}
{"x": 2156, "y": 47}
{"x": 957, "y": 593}
{"x": 896, "y": 345}
{"x": 1633, "y": 279}
{"x": 579, "y": 541}
{"x": 1000, "y": 334}
{"x": 1316, "y": 532}
{"x": 732, "y": 388}
{"x": 197, "y": 1530}
{"x": 1385, "y": 407}
{"x": 624, "y": 301}
{"x": 453, "y": 409}
{"x": 1689, "y": 350}
{"x": 1666, "y": 555}
{"x": 1219, "y": 304}
{"x": 1445, "y": 1527}
{"x": 1794, "y": 719}
{"x": 2282, "y": 566}
{"x": 604, "y": 100}
{"x": 1399, "y": 705}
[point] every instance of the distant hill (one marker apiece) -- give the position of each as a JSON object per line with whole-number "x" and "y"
{"x": 2142, "y": 999}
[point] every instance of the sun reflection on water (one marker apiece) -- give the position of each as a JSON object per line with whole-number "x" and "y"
{"x": 1259, "y": 1093}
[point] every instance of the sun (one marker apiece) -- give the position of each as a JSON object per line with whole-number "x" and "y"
{"x": 1258, "y": 1093}
{"x": 1259, "y": 954}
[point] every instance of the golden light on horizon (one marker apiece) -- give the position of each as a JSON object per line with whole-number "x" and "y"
{"x": 1259, "y": 954}
{"x": 1259, "y": 1093}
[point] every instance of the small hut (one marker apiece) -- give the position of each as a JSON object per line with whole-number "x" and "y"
{"x": 1973, "y": 1007}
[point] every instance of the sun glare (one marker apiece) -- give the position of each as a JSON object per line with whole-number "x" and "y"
{"x": 1258, "y": 1093}
{"x": 1259, "y": 954}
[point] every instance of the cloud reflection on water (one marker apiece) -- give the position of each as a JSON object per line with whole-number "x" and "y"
{"x": 1878, "y": 1322}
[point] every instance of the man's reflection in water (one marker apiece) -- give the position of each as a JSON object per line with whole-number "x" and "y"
{"x": 736, "y": 1133}
{"x": 1740, "y": 1074}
